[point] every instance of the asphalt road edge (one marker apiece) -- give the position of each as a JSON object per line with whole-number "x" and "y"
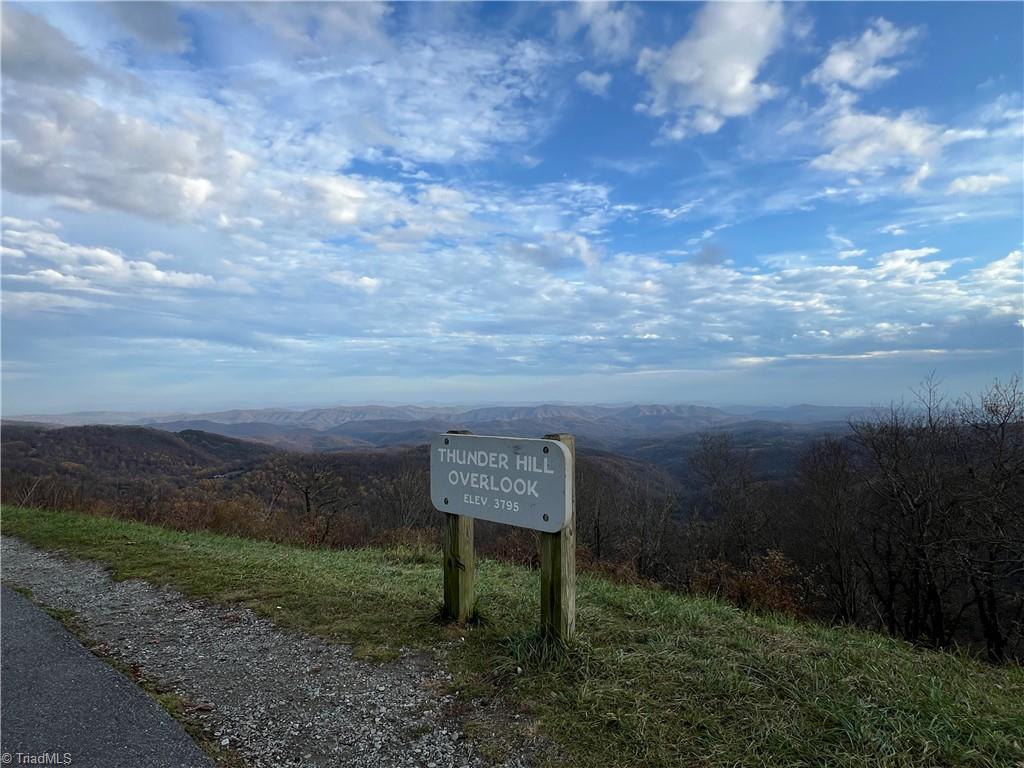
{"x": 170, "y": 701}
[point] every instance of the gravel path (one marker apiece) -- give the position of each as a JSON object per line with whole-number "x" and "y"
{"x": 278, "y": 698}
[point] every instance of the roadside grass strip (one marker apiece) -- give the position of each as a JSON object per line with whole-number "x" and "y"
{"x": 654, "y": 679}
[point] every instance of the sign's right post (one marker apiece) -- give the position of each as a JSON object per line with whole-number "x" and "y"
{"x": 558, "y": 566}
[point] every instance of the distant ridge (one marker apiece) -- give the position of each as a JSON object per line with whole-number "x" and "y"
{"x": 517, "y": 413}
{"x": 315, "y": 418}
{"x": 811, "y": 414}
{"x": 88, "y": 418}
{"x": 326, "y": 418}
{"x": 363, "y": 427}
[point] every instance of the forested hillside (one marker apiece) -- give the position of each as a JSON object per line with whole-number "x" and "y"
{"x": 906, "y": 522}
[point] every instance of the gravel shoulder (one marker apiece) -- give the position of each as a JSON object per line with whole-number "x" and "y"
{"x": 273, "y": 697}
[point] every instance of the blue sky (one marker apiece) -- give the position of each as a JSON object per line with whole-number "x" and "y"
{"x": 211, "y": 205}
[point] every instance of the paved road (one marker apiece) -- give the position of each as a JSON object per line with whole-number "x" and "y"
{"x": 58, "y": 698}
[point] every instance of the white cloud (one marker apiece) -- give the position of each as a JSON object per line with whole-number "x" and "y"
{"x": 1004, "y": 116}
{"x": 976, "y": 184}
{"x": 910, "y": 264}
{"x": 352, "y": 280}
{"x": 1002, "y": 282}
{"x": 711, "y": 74}
{"x": 450, "y": 98}
{"x": 226, "y": 222}
{"x": 178, "y": 154}
{"x": 873, "y": 354}
{"x": 345, "y": 200}
{"x": 70, "y": 147}
{"x": 1008, "y": 271}
{"x": 556, "y": 250}
{"x": 675, "y": 213}
{"x": 863, "y": 143}
{"x": 88, "y": 268}
{"x": 34, "y": 301}
{"x": 859, "y": 63}
{"x": 838, "y": 240}
{"x": 323, "y": 28}
{"x": 609, "y": 27}
{"x": 147, "y": 273}
{"x": 893, "y": 150}
{"x": 913, "y": 182}
{"x": 597, "y": 84}
{"x": 53, "y": 279}
{"x": 625, "y": 313}
{"x": 844, "y": 246}
{"x": 34, "y": 51}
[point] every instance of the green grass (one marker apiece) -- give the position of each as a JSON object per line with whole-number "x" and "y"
{"x": 655, "y": 679}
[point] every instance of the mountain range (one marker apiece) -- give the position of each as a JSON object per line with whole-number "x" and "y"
{"x": 653, "y": 432}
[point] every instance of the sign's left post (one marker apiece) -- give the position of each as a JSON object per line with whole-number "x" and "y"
{"x": 459, "y": 564}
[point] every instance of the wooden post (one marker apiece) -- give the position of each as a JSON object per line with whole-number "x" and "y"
{"x": 459, "y": 564}
{"x": 558, "y": 566}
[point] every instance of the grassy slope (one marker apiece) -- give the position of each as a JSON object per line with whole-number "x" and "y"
{"x": 655, "y": 679}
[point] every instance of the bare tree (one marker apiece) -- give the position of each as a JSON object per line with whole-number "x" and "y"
{"x": 322, "y": 492}
{"x": 404, "y": 496}
{"x": 734, "y": 503}
{"x": 828, "y": 524}
{"x": 990, "y": 544}
{"x": 650, "y": 514}
{"x": 944, "y": 528}
{"x": 600, "y": 511}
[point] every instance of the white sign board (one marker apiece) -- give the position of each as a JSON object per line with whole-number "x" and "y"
{"x": 510, "y": 480}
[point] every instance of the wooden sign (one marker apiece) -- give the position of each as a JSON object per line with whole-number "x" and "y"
{"x": 511, "y": 480}
{"x": 517, "y": 481}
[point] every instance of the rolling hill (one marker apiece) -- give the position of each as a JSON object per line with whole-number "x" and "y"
{"x": 286, "y": 436}
{"x": 129, "y": 451}
{"x": 664, "y": 436}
